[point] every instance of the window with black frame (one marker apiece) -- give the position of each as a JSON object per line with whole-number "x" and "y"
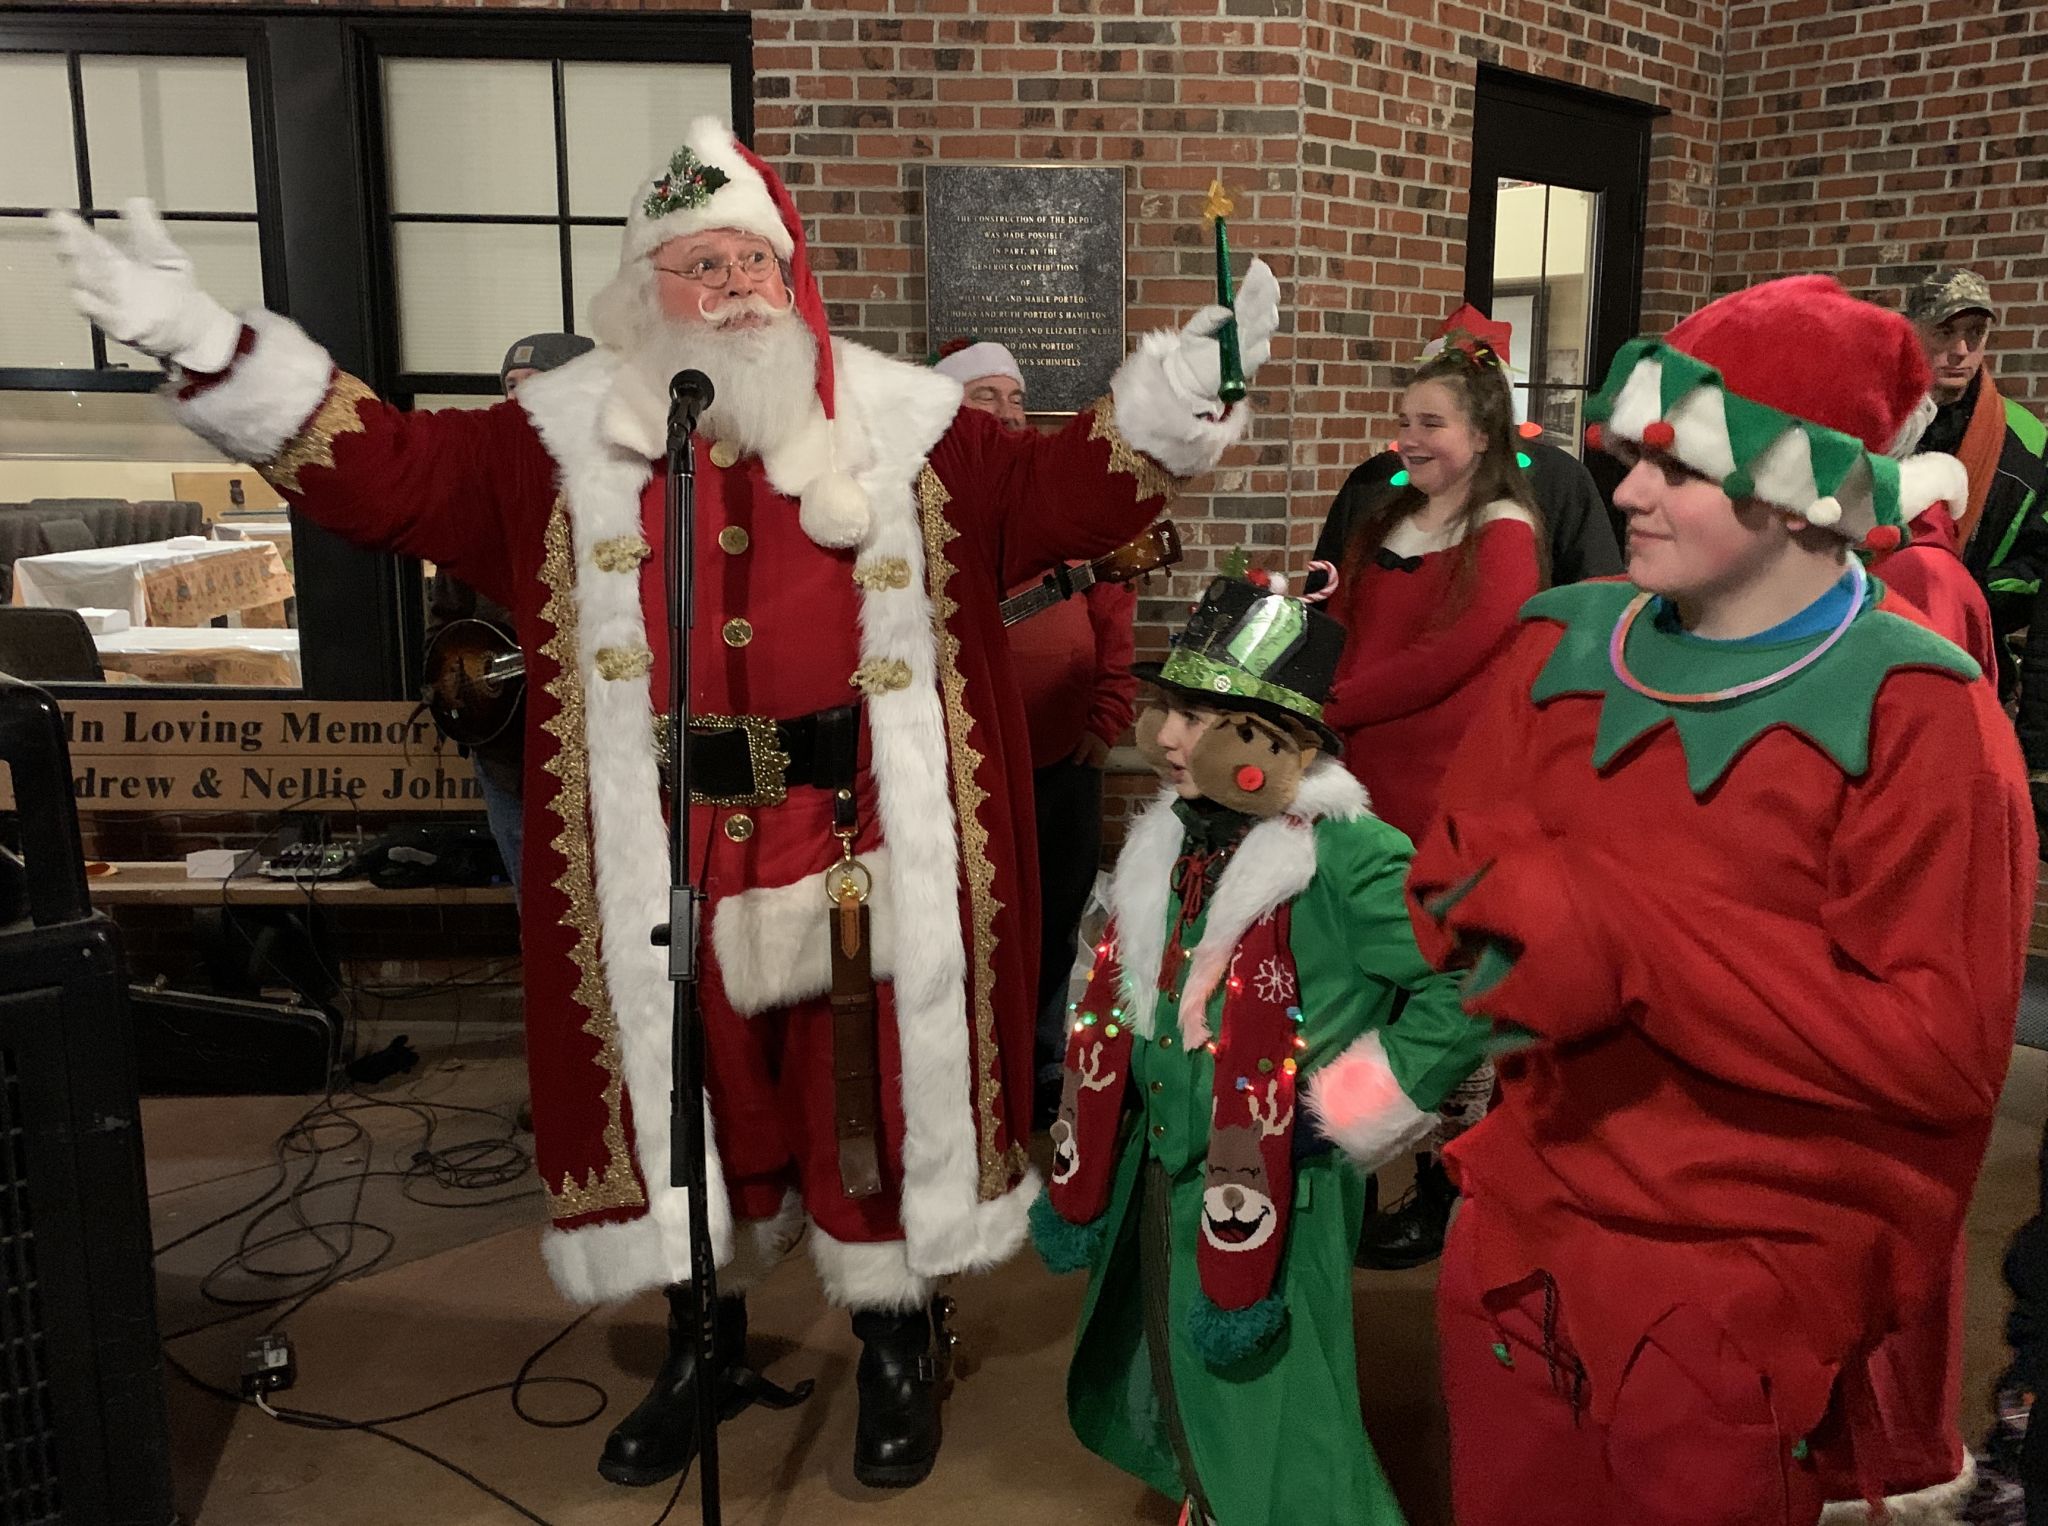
{"x": 131, "y": 552}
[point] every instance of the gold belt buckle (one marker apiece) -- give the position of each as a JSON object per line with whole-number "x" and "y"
{"x": 769, "y": 763}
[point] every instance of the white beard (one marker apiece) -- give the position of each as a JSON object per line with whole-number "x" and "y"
{"x": 764, "y": 380}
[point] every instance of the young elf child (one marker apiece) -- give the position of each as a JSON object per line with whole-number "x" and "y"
{"x": 1747, "y": 856}
{"x": 1237, "y": 1033}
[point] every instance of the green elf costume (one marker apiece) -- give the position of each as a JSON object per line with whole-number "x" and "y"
{"x": 1231, "y": 1073}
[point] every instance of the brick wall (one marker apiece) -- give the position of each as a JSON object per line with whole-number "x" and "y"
{"x": 1878, "y": 141}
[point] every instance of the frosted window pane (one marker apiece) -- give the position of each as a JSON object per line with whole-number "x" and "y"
{"x": 470, "y": 135}
{"x": 38, "y": 324}
{"x": 593, "y": 260}
{"x": 227, "y": 262}
{"x": 465, "y": 293}
{"x": 38, "y": 169}
{"x": 624, "y": 120}
{"x": 173, "y": 129}
{"x": 66, "y": 427}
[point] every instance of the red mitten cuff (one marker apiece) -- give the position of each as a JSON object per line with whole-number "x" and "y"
{"x": 1534, "y": 901}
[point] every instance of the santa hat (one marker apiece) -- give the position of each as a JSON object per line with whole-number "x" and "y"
{"x": 1791, "y": 392}
{"x": 714, "y": 181}
{"x": 1473, "y": 332}
{"x": 969, "y": 360}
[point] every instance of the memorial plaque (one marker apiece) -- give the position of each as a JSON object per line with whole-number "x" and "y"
{"x": 1031, "y": 256}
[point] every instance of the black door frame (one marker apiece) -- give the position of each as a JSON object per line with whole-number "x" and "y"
{"x": 1538, "y": 130}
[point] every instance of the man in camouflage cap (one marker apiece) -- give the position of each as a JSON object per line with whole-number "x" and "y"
{"x": 1999, "y": 441}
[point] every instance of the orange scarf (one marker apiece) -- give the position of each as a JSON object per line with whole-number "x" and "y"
{"x": 1983, "y": 444}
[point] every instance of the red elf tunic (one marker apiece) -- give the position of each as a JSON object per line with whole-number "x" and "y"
{"x": 1770, "y": 951}
{"x": 1411, "y": 680}
{"x": 551, "y": 505}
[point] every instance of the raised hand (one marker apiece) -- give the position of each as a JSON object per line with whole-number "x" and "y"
{"x": 1196, "y": 368}
{"x": 145, "y": 296}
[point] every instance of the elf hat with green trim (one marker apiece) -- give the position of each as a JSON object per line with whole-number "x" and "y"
{"x": 1790, "y": 392}
{"x": 1249, "y": 646}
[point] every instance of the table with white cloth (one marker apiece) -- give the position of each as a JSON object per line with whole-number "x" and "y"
{"x": 166, "y": 654}
{"x": 187, "y": 581}
{"x": 277, "y": 531}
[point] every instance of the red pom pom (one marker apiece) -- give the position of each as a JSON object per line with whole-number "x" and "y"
{"x": 1659, "y": 435}
{"x": 1251, "y": 778}
{"x": 1530, "y": 429}
{"x": 955, "y": 346}
{"x": 1394, "y": 447}
{"x": 1882, "y": 539}
{"x": 1596, "y": 437}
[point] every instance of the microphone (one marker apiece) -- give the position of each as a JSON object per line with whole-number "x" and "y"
{"x": 689, "y": 394}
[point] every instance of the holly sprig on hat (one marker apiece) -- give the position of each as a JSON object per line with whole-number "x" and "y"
{"x": 686, "y": 185}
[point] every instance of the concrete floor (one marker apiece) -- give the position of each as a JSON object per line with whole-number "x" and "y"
{"x": 462, "y": 1300}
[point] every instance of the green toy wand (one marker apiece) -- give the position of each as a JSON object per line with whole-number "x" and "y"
{"x": 1217, "y": 208}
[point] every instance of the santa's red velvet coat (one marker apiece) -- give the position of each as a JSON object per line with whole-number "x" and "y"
{"x": 551, "y": 505}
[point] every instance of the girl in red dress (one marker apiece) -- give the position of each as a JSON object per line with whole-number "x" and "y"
{"x": 1430, "y": 585}
{"x": 1431, "y": 581}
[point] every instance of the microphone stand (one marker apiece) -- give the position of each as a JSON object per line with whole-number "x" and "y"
{"x": 682, "y": 937}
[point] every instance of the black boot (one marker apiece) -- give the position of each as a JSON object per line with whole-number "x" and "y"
{"x": 1411, "y": 1233}
{"x": 659, "y": 1439}
{"x": 905, "y": 1360}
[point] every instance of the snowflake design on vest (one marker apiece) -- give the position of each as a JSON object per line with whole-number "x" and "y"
{"x": 1274, "y": 980}
{"x": 688, "y": 183}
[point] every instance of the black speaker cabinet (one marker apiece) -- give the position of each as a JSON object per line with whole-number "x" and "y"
{"x": 84, "y": 1439}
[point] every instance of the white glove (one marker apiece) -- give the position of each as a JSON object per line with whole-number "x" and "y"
{"x": 1195, "y": 368}
{"x": 146, "y": 297}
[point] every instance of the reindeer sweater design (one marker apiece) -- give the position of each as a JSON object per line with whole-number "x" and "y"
{"x": 1194, "y": 1173}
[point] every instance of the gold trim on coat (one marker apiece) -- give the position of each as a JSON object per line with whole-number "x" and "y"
{"x": 999, "y": 1168}
{"x": 1154, "y": 480}
{"x": 619, "y": 1186}
{"x": 314, "y": 444}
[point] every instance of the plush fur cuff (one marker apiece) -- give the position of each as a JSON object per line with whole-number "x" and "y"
{"x": 602, "y": 1263}
{"x": 1225, "y": 1337}
{"x": 259, "y": 407}
{"x": 1931, "y": 478}
{"x": 1358, "y": 1105}
{"x": 1936, "y": 1505}
{"x": 1158, "y": 419}
{"x": 774, "y": 945}
{"x": 868, "y": 1277}
{"x": 1062, "y": 1245}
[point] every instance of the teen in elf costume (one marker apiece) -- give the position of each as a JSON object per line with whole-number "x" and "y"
{"x": 1747, "y": 855}
{"x": 1234, "y": 1037}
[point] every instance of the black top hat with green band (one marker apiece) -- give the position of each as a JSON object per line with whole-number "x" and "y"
{"x": 1247, "y": 648}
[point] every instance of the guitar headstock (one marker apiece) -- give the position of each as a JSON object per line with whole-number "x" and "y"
{"x": 1157, "y": 547}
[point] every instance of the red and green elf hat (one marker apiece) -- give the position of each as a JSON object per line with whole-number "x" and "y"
{"x": 1792, "y": 392}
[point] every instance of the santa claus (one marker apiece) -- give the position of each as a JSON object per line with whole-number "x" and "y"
{"x": 855, "y": 532}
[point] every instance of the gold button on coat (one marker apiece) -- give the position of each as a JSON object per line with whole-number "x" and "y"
{"x": 739, "y": 826}
{"x": 738, "y": 632}
{"x": 733, "y": 540}
{"x": 724, "y": 454}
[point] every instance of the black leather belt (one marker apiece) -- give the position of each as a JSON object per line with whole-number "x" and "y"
{"x": 749, "y": 760}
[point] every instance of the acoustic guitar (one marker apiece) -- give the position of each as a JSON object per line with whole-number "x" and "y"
{"x": 475, "y": 679}
{"x": 1157, "y": 547}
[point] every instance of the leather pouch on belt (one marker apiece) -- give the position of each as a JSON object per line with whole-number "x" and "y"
{"x": 856, "y": 1069}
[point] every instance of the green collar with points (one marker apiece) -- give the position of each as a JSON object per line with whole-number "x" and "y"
{"x": 1829, "y": 703}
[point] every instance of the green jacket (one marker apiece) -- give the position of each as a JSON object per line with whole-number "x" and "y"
{"x": 1278, "y": 1436}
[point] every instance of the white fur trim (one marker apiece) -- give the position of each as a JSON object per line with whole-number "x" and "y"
{"x": 1158, "y": 419}
{"x": 1936, "y": 1505}
{"x": 1640, "y": 402}
{"x": 834, "y": 512}
{"x": 1359, "y": 1106}
{"x": 871, "y": 1277}
{"x": 1824, "y": 512}
{"x": 1915, "y": 426}
{"x": 603, "y": 1263}
{"x": 1930, "y": 478}
{"x": 743, "y": 202}
{"x": 257, "y": 409}
{"x": 774, "y": 944}
{"x": 1273, "y": 865}
{"x": 1405, "y": 540}
{"x": 986, "y": 358}
{"x": 602, "y": 484}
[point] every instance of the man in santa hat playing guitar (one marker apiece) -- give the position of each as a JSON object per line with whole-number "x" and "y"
{"x": 856, "y": 530}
